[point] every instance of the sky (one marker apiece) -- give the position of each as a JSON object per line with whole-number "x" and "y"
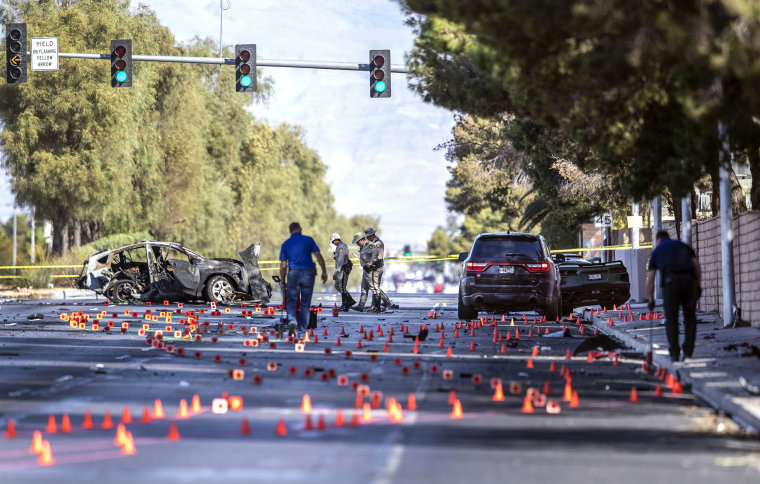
{"x": 379, "y": 152}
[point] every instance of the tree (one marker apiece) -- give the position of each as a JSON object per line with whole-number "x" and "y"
{"x": 641, "y": 85}
{"x": 439, "y": 244}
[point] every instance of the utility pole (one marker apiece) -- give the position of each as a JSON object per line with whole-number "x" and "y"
{"x": 15, "y": 240}
{"x": 686, "y": 219}
{"x": 656, "y": 227}
{"x": 31, "y": 255}
{"x": 727, "y": 232}
{"x": 222, "y": 8}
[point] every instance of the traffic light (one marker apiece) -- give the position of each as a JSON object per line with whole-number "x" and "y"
{"x": 15, "y": 53}
{"x": 245, "y": 67}
{"x": 121, "y": 63}
{"x": 380, "y": 73}
{"x": 407, "y": 250}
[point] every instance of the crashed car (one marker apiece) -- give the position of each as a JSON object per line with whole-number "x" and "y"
{"x": 587, "y": 283}
{"x": 156, "y": 271}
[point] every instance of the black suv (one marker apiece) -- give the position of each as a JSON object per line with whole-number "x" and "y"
{"x": 509, "y": 272}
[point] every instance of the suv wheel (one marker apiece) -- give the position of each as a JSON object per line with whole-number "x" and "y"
{"x": 553, "y": 307}
{"x": 219, "y": 290}
{"x": 465, "y": 312}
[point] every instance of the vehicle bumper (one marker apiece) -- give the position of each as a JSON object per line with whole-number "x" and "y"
{"x": 512, "y": 297}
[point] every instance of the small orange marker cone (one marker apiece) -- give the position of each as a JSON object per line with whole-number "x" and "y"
{"x": 547, "y": 388}
{"x": 411, "y": 402}
{"x": 590, "y": 358}
{"x": 308, "y": 425}
{"x": 107, "y": 422}
{"x": 517, "y": 333}
{"x": 574, "y": 400}
{"x": 658, "y": 390}
{"x": 245, "y": 427}
{"x": 456, "y": 411}
{"x": 452, "y": 396}
{"x": 129, "y": 445}
{"x": 339, "y": 420}
{"x": 503, "y": 348}
{"x": 634, "y": 395}
{"x": 472, "y": 346}
{"x": 306, "y": 403}
{"x": 10, "y": 430}
{"x": 121, "y": 435}
{"x": 677, "y": 388}
{"x": 527, "y": 405}
{"x": 535, "y": 350}
{"x": 321, "y": 425}
{"x": 530, "y": 363}
{"x": 449, "y": 354}
{"x": 146, "y": 416}
{"x": 158, "y": 409}
{"x": 282, "y": 430}
{"x": 87, "y": 422}
{"x": 568, "y": 356}
{"x": 195, "y": 404}
{"x": 498, "y": 394}
{"x": 173, "y": 432}
{"x": 568, "y": 394}
{"x": 51, "y": 426}
{"x": 46, "y": 456}
{"x": 552, "y": 367}
{"x": 36, "y": 446}
{"x": 366, "y": 413}
{"x": 183, "y": 413}
{"x": 65, "y": 423}
{"x": 126, "y": 417}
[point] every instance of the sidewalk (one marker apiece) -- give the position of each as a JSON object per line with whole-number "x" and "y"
{"x": 721, "y": 356}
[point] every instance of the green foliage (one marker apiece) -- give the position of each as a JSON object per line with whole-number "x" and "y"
{"x": 439, "y": 244}
{"x": 178, "y": 156}
{"x": 640, "y": 85}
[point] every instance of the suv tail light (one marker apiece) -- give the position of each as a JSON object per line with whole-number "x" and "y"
{"x": 538, "y": 267}
{"x": 477, "y": 266}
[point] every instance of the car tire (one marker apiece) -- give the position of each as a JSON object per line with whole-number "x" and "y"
{"x": 219, "y": 290}
{"x": 465, "y": 312}
{"x": 552, "y": 308}
{"x": 122, "y": 291}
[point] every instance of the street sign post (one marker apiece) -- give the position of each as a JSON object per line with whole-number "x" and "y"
{"x": 44, "y": 52}
{"x": 603, "y": 220}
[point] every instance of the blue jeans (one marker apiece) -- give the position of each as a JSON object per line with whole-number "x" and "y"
{"x": 300, "y": 282}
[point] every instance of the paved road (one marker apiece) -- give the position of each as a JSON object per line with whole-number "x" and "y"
{"x": 50, "y": 368}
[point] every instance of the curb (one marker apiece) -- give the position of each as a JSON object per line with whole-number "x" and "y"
{"x": 714, "y": 398}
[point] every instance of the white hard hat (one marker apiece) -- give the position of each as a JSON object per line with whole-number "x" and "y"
{"x": 334, "y": 237}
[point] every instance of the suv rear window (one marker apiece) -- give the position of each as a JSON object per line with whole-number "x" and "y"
{"x": 506, "y": 248}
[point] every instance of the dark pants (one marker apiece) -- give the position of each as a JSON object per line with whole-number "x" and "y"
{"x": 341, "y": 281}
{"x": 680, "y": 291}
{"x": 300, "y": 283}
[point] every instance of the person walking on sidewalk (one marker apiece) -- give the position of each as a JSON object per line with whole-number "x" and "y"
{"x": 343, "y": 267}
{"x": 297, "y": 267}
{"x": 680, "y": 275}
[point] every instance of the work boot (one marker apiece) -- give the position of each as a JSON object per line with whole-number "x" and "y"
{"x": 349, "y": 301}
{"x": 292, "y": 329}
{"x": 359, "y": 308}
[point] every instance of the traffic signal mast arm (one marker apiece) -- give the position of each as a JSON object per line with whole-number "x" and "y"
{"x": 338, "y": 66}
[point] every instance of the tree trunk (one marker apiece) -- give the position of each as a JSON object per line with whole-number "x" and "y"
{"x": 60, "y": 237}
{"x": 675, "y": 204}
{"x": 87, "y": 232}
{"x": 95, "y": 231}
{"x": 754, "y": 169}
{"x": 77, "y": 233}
{"x": 738, "y": 200}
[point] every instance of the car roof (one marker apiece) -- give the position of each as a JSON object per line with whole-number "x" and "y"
{"x": 142, "y": 244}
{"x": 509, "y": 234}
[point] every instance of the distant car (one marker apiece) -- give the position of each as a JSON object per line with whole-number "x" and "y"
{"x": 509, "y": 272}
{"x": 155, "y": 271}
{"x": 588, "y": 283}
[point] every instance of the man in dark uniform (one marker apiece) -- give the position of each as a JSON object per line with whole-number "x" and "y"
{"x": 343, "y": 267}
{"x": 681, "y": 276}
{"x": 367, "y": 257}
{"x": 376, "y": 275}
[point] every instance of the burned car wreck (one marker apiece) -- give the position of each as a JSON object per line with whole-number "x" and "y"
{"x": 156, "y": 271}
{"x": 587, "y": 283}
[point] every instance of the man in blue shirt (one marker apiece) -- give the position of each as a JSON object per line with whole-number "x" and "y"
{"x": 681, "y": 274}
{"x": 297, "y": 272}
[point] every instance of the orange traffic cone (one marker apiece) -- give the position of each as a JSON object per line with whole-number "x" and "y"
{"x": 245, "y": 427}
{"x": 535, "y": 350}
{"x": 527, "y": 405}
{"x": 282, "y": 430}
{"x": 173, "y": 432}
{"x": 126, "y": 417}
{"x": 107, "y": 422}
{"x": 552, "y": 367}
{"x": 195, "y": 404}
{"x": 306, "y": 403}
{"x": 51, "y": 426}
{"x": 634, "y": 395}
{"x": 129, "y": 445}
{"x": 36, "y": 446}
{"x": 339, "y": 420}
{"x": 308, "y": 425}
{"x": 547, "y": 388}
{"x": 158, "y": 409}
{"x": 568, "y": 356}
{"x": 46, "y": 456}
{"x": 658, "y": 390}
{"x": 568, "y": 394}
{"x": 456, "y": 411}
{"x": 121, "y": 435}
{"x": 10, "y": 430}
{"x": 574, "y": 400}
{"x": 87, "y": 422}
{"x": 498, "y": 394}
{"x": 677, "y": 388}
{"x": 449, "y": 354}
{"x": 146, "y": 416}
{"x": 411, "y": 402}
{"x": 452, "y": 396}
{"x": 366, "y": 413}
{"x": 590, "y": 358}
{"x": 65, "y": 423}
{"x": 503, "y": 348}
{"x": 183, "y": 413}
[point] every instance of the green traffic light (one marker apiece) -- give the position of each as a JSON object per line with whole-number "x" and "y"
{"x": 245, "y": 81}
{"x": 380, "y": 86}
{"x": 121, "y": 76}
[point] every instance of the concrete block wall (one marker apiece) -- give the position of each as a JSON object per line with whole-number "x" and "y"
{"x": 706, "y": 239}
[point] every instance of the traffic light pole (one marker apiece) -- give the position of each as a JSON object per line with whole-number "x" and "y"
{"x": 336, "y": 66}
